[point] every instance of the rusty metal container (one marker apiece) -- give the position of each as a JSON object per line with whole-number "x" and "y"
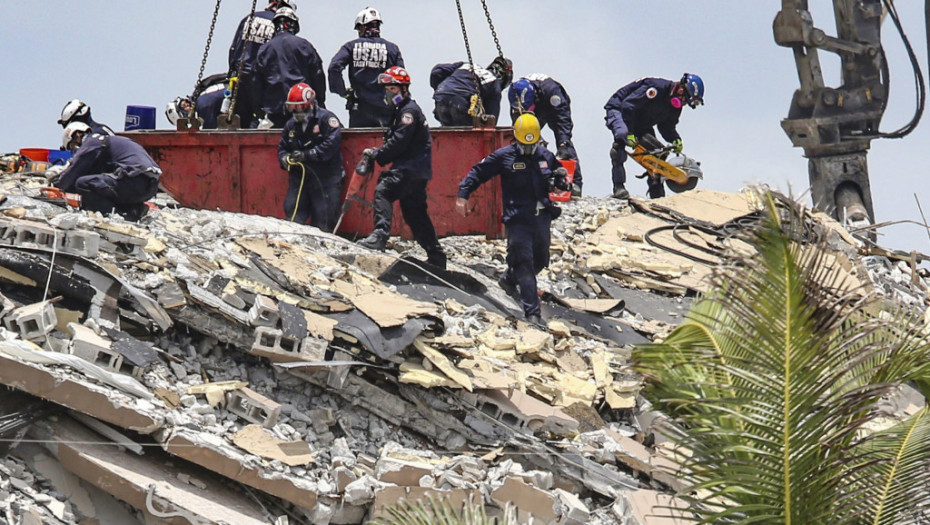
{"x": 238, "y": 171}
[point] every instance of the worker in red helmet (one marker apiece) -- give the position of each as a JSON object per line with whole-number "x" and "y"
{"x": 408, "y": 148}
{"x": 309, "y": 151}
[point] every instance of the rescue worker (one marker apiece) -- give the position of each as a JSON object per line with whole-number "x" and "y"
{"x": 77, "y": 111}
{"x": 110, "y": 173}
{"x": 408, "y": 147}
{"x": 367, "y": 57}
{"x": 283, "y": 61}
{"x": 244, "y": 48}
{"x": 309, "y": 151}
{"x": 544, "y": 97}
{"x": 454, "y": 84}
{"x": 633, "y": 111}
{"x": 209, "y": 102}
{"x": 528, "y": 173}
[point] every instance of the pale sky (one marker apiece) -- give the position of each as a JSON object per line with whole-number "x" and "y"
{"x": 134, "y": 52}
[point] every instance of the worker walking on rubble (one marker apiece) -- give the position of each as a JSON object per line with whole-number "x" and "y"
{"x": 283, "y": 61}
{"x": 367, "y": 57}
{"x": 408, "y": 148}
{"x": 77, "y": 111}
{"x": 110, "y": 173}
{"x": 454, "y": 85}
{"x": 309, "y": 151}
{"x": 253, "y": 31}
{"x": 528, "y": 173}
{"x": 544, "y": 97}
{"x": 636, "y": 108}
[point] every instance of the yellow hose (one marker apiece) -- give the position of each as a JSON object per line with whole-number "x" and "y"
{"x": 303, "y": 175}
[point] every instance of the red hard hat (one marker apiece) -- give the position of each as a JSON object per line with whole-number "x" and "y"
{"x": 300, "y": 97}
{"x": 394, "y": 75}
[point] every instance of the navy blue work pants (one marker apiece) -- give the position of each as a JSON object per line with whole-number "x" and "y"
{"x": 527, "y": 255}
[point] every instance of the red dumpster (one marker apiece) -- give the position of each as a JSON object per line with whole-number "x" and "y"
{"x": 238, "y": 171}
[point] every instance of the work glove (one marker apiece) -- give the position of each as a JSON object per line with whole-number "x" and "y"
{"x": 365, "y": 164}
{"x": 554, "y": 211}
{"x": 265, "y": 123}
{"x": 351, "y": 99}
{"x": 676, "y": 146}
{"x": 564, "y": 150}
{"x": 297, "y": 157}
{"x": 631, "y": 140}
{"x": 558, "y": 181}
{"x": 53, "y": 173}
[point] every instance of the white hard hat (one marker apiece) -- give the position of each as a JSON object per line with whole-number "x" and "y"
{"x": 73, "y": 108}
{"x": 70, "y": 130}
{"x": 367, "y": 16}
{"x": 174, "y": 110}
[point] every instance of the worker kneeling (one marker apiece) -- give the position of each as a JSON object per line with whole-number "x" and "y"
{"x": 309, "y": 151}
{"x": 528, "y": 173}
{"x": 110, "y": 173}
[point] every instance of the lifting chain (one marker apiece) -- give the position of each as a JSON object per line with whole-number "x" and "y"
{"x": 203, "y": 61}
{"x": 476, "y": 109}
{"x": 487, "y": 14}
{"x": 237, "y": 83}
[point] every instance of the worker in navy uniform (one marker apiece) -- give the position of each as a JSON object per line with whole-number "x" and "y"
{"x": 528, "y": 173}
{"x": 408, "y": 148}
{"x": 636, "y": 108}
{"x": 77, "y": 111}
{"x": 283, "y": 61}
{"x": 209, "y": 102}
{"x": 454, "y": 84}
{"x": 309, "y": 151}
{"x": 542, "y": 96}
{"x": 110, "y": 173}
{"x": 245, "y": 44}
{"x": 367, "y": 57}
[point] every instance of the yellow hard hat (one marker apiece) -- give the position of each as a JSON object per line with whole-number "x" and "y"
{"x": 526, "y": 129}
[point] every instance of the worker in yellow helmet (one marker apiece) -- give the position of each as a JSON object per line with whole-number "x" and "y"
{"x": 528, "y": 173}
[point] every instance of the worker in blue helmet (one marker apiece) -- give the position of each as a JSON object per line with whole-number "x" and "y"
{"x": 638, "y": 108}
{"x": 544, "y": 97}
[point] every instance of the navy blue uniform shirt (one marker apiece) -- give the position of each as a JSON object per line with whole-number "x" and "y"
{"x": 407, "y": 142}
{"x": 637, "y": 107}
{"x": 455, "y": 82}
{"x": 524, "y": 181}
{"x": 319, "y": 137}
{"x": 283, "y": 61}
{"x": 261, "y": 31}
{"x": 367, "y": 57}
{"x": 102, "y": 154}
{"x": 552, "y": 106}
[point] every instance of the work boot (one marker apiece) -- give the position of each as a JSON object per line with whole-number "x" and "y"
{"x": 576, "y": 190}
{"x": 508, "y": 286}
{"x": 656, "y": 188}
{"x": 535, "y": 319}
{"x": 621, "y": 193}
{"x": 437, "y": 258}
{"x": 375, "y": 241}
{"x": 133, "y": 212}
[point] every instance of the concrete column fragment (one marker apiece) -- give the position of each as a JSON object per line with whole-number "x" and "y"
{"x": 87, "y": 345}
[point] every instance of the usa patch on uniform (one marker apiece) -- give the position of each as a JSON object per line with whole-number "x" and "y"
{"x": 652, "y": 92}
{"x": 407, "y": 118}
{"x": 543, "y": 164}
{"x": 333, "y": 122}
{"x": 555, "y": 100}
{"x": 519, "y": 166}
{"x": 316, "y": 128}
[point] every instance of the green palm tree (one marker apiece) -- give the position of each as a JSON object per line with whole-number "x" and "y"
{"x": 771, "y": 380}
{"x": 439, "y": 511}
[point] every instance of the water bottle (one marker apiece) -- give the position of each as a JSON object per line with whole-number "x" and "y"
{"x": 227, "y": 101}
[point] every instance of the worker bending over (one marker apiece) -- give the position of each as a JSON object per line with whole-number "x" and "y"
{"x": 633, "y": 111}
{"x": 110, "y": 173}
{"x": 408, "y": 147}
{"x": 528, "y": 173}
{"x": 367, "y": 57}
{"x": 309, "y": 151}
{"x": 544, "y": 97}
{"x": 454, "y": 84}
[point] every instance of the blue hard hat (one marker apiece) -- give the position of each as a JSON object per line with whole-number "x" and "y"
{"x": 522, "y": 95}
{"x": 695, "y": 88}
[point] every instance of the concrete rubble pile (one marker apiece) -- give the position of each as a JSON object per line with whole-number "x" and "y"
{"x": 210, "y": 367}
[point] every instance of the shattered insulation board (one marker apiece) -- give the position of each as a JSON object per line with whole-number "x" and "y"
{"x": 714, "y": 207}
{"x": 149, "y": 482}
{"x": 256, "y": 440}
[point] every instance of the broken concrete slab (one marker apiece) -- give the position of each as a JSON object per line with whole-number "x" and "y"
{"x": 256, "y": 440}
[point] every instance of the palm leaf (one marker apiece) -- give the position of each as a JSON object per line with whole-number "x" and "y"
{"x": 769, "y": 379}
